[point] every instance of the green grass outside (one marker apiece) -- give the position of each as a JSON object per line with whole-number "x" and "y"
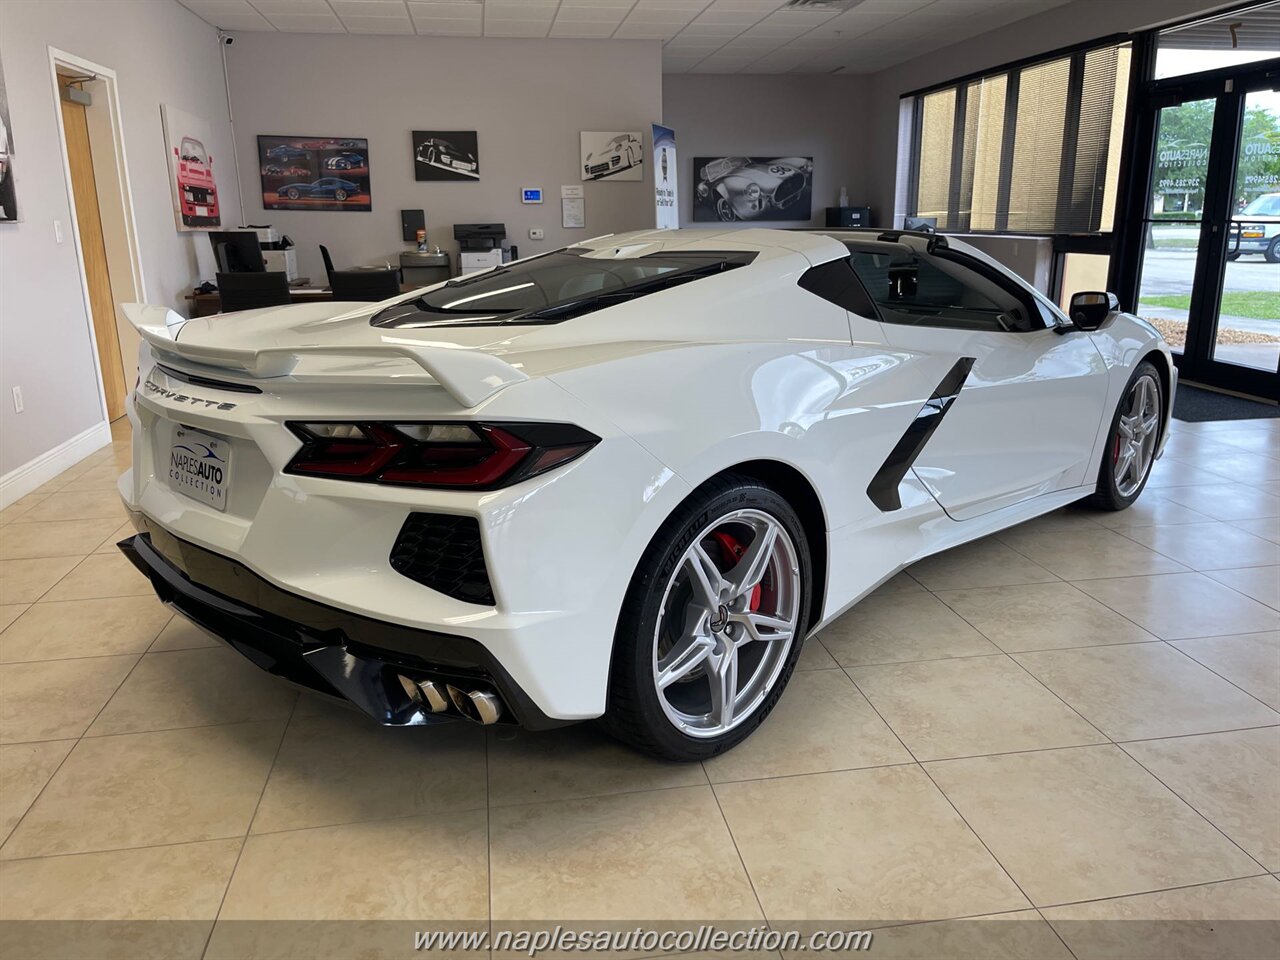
{"x": 1255, "y": 304}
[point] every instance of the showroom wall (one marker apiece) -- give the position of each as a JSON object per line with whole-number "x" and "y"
{"x": 527, "y": 101}
{"x": 1062, "y": 26}
{"x": 716, "y": 115}
{"x": 161, "y": 53}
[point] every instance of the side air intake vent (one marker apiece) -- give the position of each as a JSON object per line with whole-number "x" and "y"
{"x": 443, "y": 552}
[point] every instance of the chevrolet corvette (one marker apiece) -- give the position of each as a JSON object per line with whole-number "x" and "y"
{"x": 622, "y": 480}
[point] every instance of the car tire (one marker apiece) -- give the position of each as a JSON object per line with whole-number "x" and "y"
{"x": 1117, "y": 490}
{"x": 667, "y": 610}
{"x": 725, "y": 211}
{"x": 1273, "y": 251}
{"x": 339, "y": 194}
{"x": 292, "y": 194}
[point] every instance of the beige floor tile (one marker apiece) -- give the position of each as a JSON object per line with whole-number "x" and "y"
{"x": 109, "y": 544}
{"x": 102, "y": 575}
{"x": 192, "y": 688}
{"x": 1150, "y": 510}
{"x": 1088, "y": 554}
{"x": 1260, "y": 583}
{"x": 410, "y": 868}
{"x": 985, "y": 563}
{"x": 101, "y": 477}
{"x": 1021, "y": 935}
{"x": 1268, "y": 528}
{"x": 899, "y": 628}
{"x": 127, "y": 904}
{"x": 1234, "y": 919}
{"x": 1232, "y": 778}
{"x": 143, "y": 789}
{"x": 901, "y": 582}
{"x": 69, "y": 504}
{"x": 1144, "y": 690}
{"x": 55, "y": 699}
{"x": 1041, "y": 616}
{"x": 867, "y": 846}
{"x": 1226, "y": 501}
{"x": 1183, "y": 605}
{"x": 1085, "y": 823}
{"x": 66, "y": 538}
{"x": 181, "y": 634}
{"x": 24, "y": 770}
{"x": 1242, "y": 466}
{"x": 10, "y": 612}
{"x": 1251, "y": 661}
{"x": 965, "y": 708}
{"x": 821, "y": 723}
{"x": 814, "y": 656}
{"x": 178, "y": 882}
{"x": 573, "y": 762}
{"x": 664, "y": 854}
{"x": 1207, "y": 546}
{"x": 20, "y": 507}
{"x": 84, "y": 628}
{"x": 340, "y": 767}
{"x": 26, "y": 581}
{"x": 1170, "y": 473}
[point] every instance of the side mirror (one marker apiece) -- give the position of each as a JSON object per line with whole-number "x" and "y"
{"x": 1089, "y": 310}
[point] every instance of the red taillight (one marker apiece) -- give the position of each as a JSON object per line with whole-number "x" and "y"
{"x": 475, "y": 456}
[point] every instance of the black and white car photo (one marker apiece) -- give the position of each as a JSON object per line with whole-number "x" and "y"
{"x": 445, "y": 155}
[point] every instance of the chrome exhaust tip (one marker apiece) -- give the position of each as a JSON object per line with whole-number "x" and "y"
{"x": 479, "y": 706}
{"x": 434, "y": 695}
{"x": 410, "y": 688}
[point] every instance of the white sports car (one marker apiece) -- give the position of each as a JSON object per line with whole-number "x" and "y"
{"x": 624, "y": 479}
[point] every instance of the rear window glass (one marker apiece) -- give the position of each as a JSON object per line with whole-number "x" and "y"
{"x": 554, "y": 287}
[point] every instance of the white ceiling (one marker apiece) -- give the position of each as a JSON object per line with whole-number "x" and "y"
{"x": 698, "y": 36}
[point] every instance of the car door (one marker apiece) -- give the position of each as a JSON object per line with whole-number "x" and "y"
{"x": 1018, "y": 404}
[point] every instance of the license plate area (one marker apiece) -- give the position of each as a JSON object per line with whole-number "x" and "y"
{"x": 199, "y": 466}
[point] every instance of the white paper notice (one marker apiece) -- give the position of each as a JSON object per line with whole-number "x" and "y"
{"x": 573, "y": 212}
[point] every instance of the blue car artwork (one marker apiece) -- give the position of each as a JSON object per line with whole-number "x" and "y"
{"x": 330, "y": 188}
{"x": 344, "y": 161}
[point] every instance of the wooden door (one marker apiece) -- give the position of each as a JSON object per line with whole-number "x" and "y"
{"x": 93, "y": 249}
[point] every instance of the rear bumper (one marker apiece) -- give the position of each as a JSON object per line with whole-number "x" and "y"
{"x": 331, "y": 651}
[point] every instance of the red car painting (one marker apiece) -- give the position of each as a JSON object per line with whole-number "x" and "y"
{"x": 197, "y": 193}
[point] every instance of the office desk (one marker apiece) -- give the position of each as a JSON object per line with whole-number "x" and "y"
{"x": 207, "y": 304}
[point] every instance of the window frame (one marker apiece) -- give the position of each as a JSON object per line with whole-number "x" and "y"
{"x": 1012, "y": 71}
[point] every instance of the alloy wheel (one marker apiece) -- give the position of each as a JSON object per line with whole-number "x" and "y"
{"x": 1137, "y": 430}
{"x": 727, "y": 623}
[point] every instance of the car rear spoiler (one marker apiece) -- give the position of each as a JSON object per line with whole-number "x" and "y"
{"x": 469, "y": 376}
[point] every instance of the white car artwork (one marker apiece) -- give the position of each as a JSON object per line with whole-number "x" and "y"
{"x": 622, "y": 152}
{"x": 622, "y": 480}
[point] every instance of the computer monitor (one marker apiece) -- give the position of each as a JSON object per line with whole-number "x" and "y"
{"x": 237, "y": 251}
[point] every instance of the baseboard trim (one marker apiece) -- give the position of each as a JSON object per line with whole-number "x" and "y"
{"x": 20, "y": 481}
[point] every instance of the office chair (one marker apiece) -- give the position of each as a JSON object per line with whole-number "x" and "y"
{"x": 247, "y": 291}
{"x": 328, "y": 262}
{"x": 364, "y": 284}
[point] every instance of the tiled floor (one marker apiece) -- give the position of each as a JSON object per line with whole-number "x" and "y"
{"x": 1062, "y": 730}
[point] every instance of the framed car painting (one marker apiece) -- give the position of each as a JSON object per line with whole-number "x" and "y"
{"x": 191, "y": 170}
{"x": 753, "y": 189}
{"x": 314, "y": 173}
{"x": 446, "y": 155}
{"x": 612, "y": 155}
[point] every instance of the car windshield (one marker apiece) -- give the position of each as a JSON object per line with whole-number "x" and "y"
{"x": 193, "y": 151}
{"x": 718, "y": 168}
{"x": 1267, "y": 205}
{"x": 553, "y": 287}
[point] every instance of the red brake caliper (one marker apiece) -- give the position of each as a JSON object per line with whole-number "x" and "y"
{"x": 733, "y": 552}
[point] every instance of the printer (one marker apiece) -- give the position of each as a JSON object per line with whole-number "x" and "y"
{"x": 482, "y": 246}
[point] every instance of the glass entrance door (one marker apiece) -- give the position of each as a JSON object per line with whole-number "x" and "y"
{"x": 1209, "y": 268}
